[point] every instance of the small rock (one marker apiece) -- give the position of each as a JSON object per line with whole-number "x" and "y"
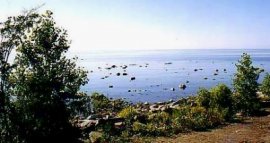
{"x": 195, "y": 70}
{"x": 168, "y": 63}
{"x": 132, "y": 78}
{"x": 118, "y": 74}
{"x": 94, "y": 116}
{"x": 172, "y": 89}
{"x": 146, "y": 103}
{"x": 124, "y": 74}
{"x": 110, "y": 86}
{"x": 124, "y": 66}
{"x": 182, "y": 86}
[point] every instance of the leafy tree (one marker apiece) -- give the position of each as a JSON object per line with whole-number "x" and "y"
{"x": 11, "y": 35}
{"x": 42, "y": 79}
{"x": 246, "y": 85}
{"x": 265, "y": 87}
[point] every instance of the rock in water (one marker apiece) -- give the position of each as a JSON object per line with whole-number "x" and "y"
{"x": 182, "y": 86}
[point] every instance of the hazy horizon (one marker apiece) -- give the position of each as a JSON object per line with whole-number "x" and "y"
{"x": 121, "y": 25}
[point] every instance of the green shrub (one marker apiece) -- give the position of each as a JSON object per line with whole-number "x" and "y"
{"x": 221, "y": 100}
{"x": 265, "y": 87}
{"x": 218, "y": 98}
{"x": 128, "y": 113}
{"x": 99, "y": 101}
{"x": 216, "y": 116}
{"x": 198, "y": 118}
{"x": 138, "y": 127}
{"x": 204, "y": 97}
{"x": 180, "y": 121}
{"x": 159, "y": 118}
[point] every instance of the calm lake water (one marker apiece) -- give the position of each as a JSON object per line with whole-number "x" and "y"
{"x": 158, "y": 72}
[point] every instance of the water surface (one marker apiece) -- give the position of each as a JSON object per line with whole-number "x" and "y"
{"x": 158, "y": 72}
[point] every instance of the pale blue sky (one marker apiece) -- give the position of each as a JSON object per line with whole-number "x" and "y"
{"x": 157, "y": 24}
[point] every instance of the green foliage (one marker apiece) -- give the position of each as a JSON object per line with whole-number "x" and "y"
{"x": 265, "y": 87}
{"x": 41, "y": 80}
{"x": 99, "y": 101}
{"x": 138, "y": 127}
{"x": 11, "y": 35}
{"x": 218, "y": 98}
{"x": 128, "y": 113}
{"x": 195, "y": 118}
{"x": 246, "y": 85}
{"x": 221, "y": 96}
{"x": 81, "y": 105}
{"x": 204, "y": 97}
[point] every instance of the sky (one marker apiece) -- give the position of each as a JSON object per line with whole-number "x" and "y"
{"x": 156, "y": 24}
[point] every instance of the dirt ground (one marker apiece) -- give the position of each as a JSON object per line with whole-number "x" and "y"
{"x": 251, "y": 130}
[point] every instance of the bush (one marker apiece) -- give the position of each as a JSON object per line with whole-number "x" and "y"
{"x": 194, "y": 118}
{"x": 218, "y": 98}
{"x": 221, "y": 100}
{"x": 138, "y": 127}
{"x": 204, "y": 97}
{"x": 265, "y": 87}
{"x": 198, "y": 118}
{"x": 99, "y": 101}
{"x": 128, "y": 113}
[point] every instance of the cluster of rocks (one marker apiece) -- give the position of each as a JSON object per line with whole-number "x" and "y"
{"x": 163, "y": 106}
{"x": 92, "y": 122}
